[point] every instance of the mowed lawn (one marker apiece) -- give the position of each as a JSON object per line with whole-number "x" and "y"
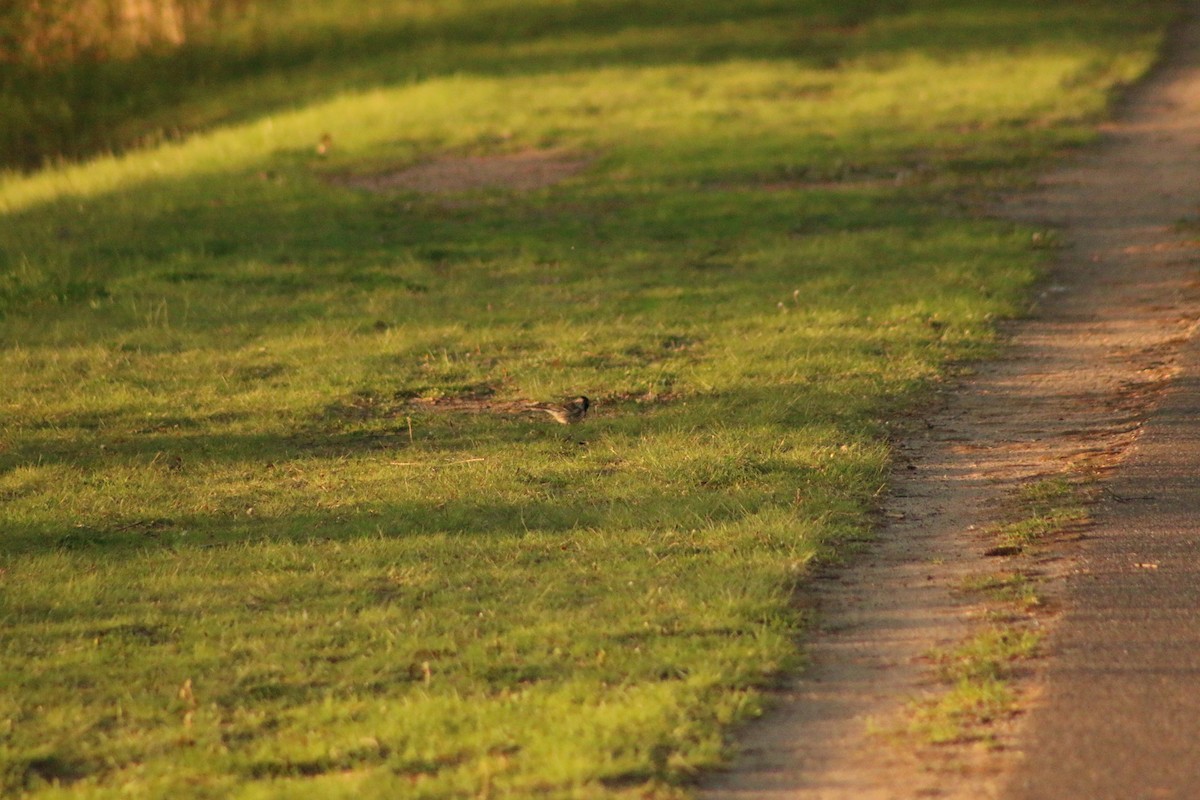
{"x": 272, "y": 520}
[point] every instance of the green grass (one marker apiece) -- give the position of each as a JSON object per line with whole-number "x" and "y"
{"x": 978, "y": 675}
{"x": 1013, "y": 589}
{"x": 978, "y": 679}
{"x": 246, "y": 552}
{"x": 279, "y": 54}
{"x": 1044, "y": 507}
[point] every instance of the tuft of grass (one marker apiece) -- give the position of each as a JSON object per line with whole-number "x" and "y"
{"x": 272, "y": 520}
{"x": 978, "y": 674}
{"x": 1012, "y": 589}
{"x": 1045, "y": 507}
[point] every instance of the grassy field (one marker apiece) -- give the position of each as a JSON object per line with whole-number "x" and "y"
{"x": 273, "y": 524}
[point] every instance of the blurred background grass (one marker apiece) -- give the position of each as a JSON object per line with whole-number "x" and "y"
{"x": 82, "y": 77}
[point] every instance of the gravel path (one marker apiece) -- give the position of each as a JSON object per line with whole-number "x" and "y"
{"x": 1072, "y": 396}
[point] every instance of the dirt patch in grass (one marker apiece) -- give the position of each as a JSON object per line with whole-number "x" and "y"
{"x": 523, "y": 171}
{"x": 1065, "y": 402}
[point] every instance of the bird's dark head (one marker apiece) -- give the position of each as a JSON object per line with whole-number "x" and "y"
{"x": 583, "y": 402}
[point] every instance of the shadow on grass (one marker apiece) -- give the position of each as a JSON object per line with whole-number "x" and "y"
{"x": 238, "y": 238}
{"x": 566, "y": 492}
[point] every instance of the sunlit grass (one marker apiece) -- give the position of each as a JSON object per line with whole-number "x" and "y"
{"x": 273, "y": 521}
{"x": 980, "y": 694}
{"x": 1000, "y": 93}
{"x": 1043, "y": 508}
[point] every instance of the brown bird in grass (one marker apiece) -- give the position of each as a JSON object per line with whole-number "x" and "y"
{"x": 566, "y": 413}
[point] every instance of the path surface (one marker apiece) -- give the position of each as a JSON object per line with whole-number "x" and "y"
{"x": 1072, "y": 396}
{"x": 1120, "y": 717}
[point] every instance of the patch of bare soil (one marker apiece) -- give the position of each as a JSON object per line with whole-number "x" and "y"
{"x": 515, "y": 172}
{"x": 1075, "y": 384}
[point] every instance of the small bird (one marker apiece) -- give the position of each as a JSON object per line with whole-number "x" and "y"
{"x": 567, "y": 413}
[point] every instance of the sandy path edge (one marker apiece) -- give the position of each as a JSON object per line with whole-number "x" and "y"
{"x": 1070, "y": 395}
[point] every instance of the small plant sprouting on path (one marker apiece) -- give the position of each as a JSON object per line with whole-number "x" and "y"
{"x": 1006, "y": 589}
{"x": 1042, "y": 508}
{"x": 979, "y": 674}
